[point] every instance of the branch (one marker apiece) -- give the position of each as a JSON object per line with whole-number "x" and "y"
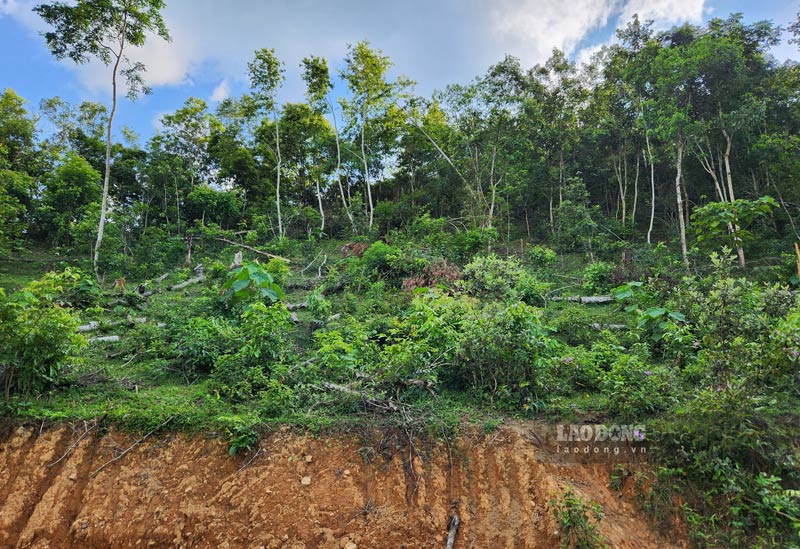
{"x": 131, "y": 447}
{"x": 251, "y": 249}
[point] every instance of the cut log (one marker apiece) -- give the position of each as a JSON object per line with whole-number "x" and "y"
{"x": 90, "y": 327}
{"x": 189, "y": 282}
{"x": 585, "y": 299}
{"x": 451, "y": 535}
{"x": 104, "y": 339}
{"x": 380, "y": 404}
{"x": 251, "y": 249}
{"x": 599, "y": 326}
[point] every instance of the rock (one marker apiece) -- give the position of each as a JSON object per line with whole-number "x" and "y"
{"x": 305, "y": 481}
{"x": 308, "y": 459}
{"x": 347, "y": 472}
{"x": 351, "y": 545}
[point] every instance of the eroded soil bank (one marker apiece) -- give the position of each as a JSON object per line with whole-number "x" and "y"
{"x": 297, "y": 491}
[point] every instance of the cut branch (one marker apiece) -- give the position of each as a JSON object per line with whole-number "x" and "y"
{"x": 251, "y": 249}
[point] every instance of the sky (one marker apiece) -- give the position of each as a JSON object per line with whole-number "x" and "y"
{"x": 434, "y": 42}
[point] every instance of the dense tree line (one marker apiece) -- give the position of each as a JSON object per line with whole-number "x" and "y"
{"x": 664, "y": 135}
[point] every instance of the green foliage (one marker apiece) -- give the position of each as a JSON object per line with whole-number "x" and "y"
{"x": 636, "y": 389}
{"x": 577, "y": 520}
{"x": 37, "y": 336}
{"x": 715, "y": 220}
{"x": 199, "y": 343}
{"x": 540, "y": 256}
{"x": 250, "y": 283}
{"x": 377, "y": 258}
{"x": 243, "y": 373}
{"x": 504, "y": 279}
{"x": 723, "y": 441}
{"x": 598, "y": 276}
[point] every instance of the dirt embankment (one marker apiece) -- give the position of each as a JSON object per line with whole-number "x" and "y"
{"x": 297, "y": 492}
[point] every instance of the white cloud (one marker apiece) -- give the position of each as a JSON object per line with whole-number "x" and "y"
{"x": 221, "y": 92}
{"x": 664, "y": 12}
{"x": 437, "y": 42}
{"x": 539, "y": 26}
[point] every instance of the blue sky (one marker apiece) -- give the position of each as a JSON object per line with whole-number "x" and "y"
{"x": 435, "y": 42}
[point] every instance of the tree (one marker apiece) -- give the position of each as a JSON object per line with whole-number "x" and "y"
{"x": 104, "y": 30}
{"x": 68, "y": 191}
{"x": 266, "y": 76}
{"x": 373, "y": 110}
{"x": 318, "y": 88}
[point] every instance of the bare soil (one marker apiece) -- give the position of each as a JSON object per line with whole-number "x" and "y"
{"x": 296, "y": 491}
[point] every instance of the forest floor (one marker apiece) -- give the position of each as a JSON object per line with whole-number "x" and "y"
{"x": 74, "y": 484}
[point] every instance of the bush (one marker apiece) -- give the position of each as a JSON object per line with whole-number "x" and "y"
{"x": 37, "y": 336}
{"x": 250, "y": 283}
{"x": 634, "y": 388}
{"x": 377, "y": 258}
{"x": 598, "y": 277}
{"x": 242, "y": 374}
{"x": 577, "y": 519}
{"x": 503, "y": 279}
{"x": 199, "y": 342}
{"x": 503, "y": 352}
{"x": 540, "y": 256}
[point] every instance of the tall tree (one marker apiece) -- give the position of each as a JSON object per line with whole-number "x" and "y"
{"x": 266, "y": 77}
{"x": 318, "y": 91}
{"x": 373, "y": 109}
{"x": 104, "y": 30}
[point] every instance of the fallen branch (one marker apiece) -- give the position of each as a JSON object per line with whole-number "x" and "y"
{"x": 369, "y": 400}
{"x": 90, "y": 327}
{"x": 585, "y": 299}
{"x": 95, "y": 324}
{"x": 129, "y": 448}
{"x": 189, "y": 282}
{"x": 74, "y": 444}
{"x": 451, "y": 536}
{"x": 599, "y": 326}
{"x": 104, "y": 339}
{"x": 251, "y": 249}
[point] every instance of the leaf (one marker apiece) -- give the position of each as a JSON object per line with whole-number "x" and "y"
{"x": 680, "y": 317}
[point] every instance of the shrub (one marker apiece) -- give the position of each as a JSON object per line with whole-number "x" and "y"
{"x": 503, "y": 352}
{"x": 250, "y": 283}
{"x": 577, "y": 519}
{"x": 634, "y": 388}
{"x": 199, "y": 342}
{"x": 598, "y": 276}
{"x": 242, "y": 374}
{"x": 540, "y": 256}
{"x": 493, "y": 277}
{"x": 378, "y": 256}
{"x": 37, "y": 336}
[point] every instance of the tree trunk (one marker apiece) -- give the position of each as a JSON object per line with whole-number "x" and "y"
{"x": 339, "y": 167}
{"x": 731, "y": 196}
{"x": 321, "y": 211}
{"x": 278, "y": 177}
{"x": 366, "y": 176}
{"x": 679, "y": 197}
{"x": 635, "y": 193}
{"x": 107, "y": 176}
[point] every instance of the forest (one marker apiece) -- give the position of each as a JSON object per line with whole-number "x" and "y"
{"x": 608, "y": 242}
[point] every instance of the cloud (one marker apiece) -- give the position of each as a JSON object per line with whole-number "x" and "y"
{"x": 221, "y": 92}
{"x": 436, "y": 43}
{"x": 664, "y": 12}
{"x": 536, "y": 27}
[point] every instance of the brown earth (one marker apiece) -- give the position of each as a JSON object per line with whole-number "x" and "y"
{"x": 297, "y": 491}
